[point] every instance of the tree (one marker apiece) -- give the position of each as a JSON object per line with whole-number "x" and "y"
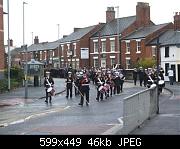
{"x": 146, "y": 63}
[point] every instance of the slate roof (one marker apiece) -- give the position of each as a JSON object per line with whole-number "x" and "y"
{"x": 170, "y": 37}
{"x": 43, "y": 46}
{"x": 53, "y": 45}
{"x": 111, "y": 27}
{"x": 145, "y": 31}
{"x": 78, "y": 34}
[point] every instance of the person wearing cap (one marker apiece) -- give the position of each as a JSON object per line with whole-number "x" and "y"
{"x": 84, "y": 90}
{"x": 48, "y": 84}
{"x": 141, "y": 75}
{"x": 69, "y": 85}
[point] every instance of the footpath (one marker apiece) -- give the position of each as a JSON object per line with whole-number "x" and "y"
{"x": 16, "y": 96}
{"x": 167, "y": 122}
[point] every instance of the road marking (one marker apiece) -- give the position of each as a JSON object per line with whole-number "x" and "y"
{"x": 114, "y": 129}
{"x": 34, "y": 116}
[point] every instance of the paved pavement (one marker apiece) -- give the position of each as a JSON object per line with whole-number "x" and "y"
{"x": 167, "y": 122}
{"x": 16, "y": 96}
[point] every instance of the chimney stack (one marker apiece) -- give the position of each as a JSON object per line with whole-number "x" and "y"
{"x": 110, "y": 14}
{"x": 177, "y": 21}
{"x": 36, "y": 40}
{"x": 142, "y": 14}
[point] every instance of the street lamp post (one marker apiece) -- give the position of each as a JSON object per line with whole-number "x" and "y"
{"x": 25, "y": 49}
{"x": 59, "y": 59}
{"x": 9, "y": 60}
{"x": 118, "y": 51}
{"x": 157, "y": 65}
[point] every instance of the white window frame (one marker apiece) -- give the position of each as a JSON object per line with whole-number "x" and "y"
{"x": 96, "y": 46}
{"x": 45, "y": 55}
{"x": 103, "y": 45}
{"x": 127, "y": 65}
{"x": 40, "y": 57}
{"x": 128, "y": 47}
{"x": 138, "y": 46}
{"x": 94, "y": 62}
{"x": 112, "y": 47}
{"x": 74, "y": 48}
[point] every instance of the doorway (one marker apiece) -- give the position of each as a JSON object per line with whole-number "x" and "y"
{"x": 173, "y": 67}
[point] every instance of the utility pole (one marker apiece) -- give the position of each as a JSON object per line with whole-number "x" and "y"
{"x": 25, "y": 49}
{"x": 118, "y": 51}
{"x": 157, "y": 65}
{"x": 9, "y": 59}
{"x": 59, "y": 59}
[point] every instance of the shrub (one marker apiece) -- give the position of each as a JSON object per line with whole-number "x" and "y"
{"x": 146, "y": 63}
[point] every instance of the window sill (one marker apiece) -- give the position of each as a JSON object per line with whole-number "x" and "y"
{"x": 138, "y": 52}
{"x": 127, "y": 53}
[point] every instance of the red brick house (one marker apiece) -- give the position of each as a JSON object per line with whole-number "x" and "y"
{"x": 74, "y": 49}
{"x": 134, "y": 46}
{"x": 2, "y": 51}
{"x": 103, "y": 45}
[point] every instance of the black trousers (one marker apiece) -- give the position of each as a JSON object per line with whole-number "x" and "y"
{"x": 48, "y": 95}
{"x": 118, "y": 89}
{"x": 121, "y": 87}
{"x": 141, "y": 81}
{"x": 69, "y": 91}
{"x": 84, "y": 93}
{"x": 135, "y": 80}
{"x": 99, "y": 94}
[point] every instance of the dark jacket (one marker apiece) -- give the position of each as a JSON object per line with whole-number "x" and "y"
{"x": 46, "y": 84}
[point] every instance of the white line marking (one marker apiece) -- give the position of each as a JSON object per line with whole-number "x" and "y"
{"x": 16, "y": 122}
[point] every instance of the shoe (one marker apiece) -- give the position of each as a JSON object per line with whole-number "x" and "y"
{"x": 97, "y": 99}
{"x": 49, "y": 101}
{"x": 80, "y": 104}
{"x": 87, "y": 103}
{"x": 46, "y": 101}
{"x": 66, "y": 96}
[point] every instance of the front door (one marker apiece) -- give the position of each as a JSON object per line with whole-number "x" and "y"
{"x": 173, "y": 67}
{"x": 178, "y": 72}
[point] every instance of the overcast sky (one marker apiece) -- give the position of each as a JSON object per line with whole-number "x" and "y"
{"x": 42, "y": 16}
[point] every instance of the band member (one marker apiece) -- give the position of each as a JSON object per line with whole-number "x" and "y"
{"x": 84, "y": 89}
{"x": 77, "y": 84}
{"x": 141, "y": 75}
{"x": 69, "y": 85}
{"x": 135, "y": 75}
{"x": 117, "y": 83}
{"x": 122, "y": 78}
{"x": 99, "y": 83}
{"x": 145, "y": 77}
{"x": 48, "y": 84}
{"x": 110, "y": 82}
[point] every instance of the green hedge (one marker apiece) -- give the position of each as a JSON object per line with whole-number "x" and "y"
{"x": 16, "y": 75}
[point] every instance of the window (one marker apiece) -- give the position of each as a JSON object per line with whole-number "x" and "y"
{"x": 112, "y": 61}
{"x": 166, "y": 69}
{"x": 50, "y": 54}
{"x": 40, "y": 55}
{"x": 166, "y": 51}
{"x": 138, "y": 47}
{"x": 96, "y": 47}
{"x": 127, "y": 47}
{"x": 62, "y": 49}
{"x": 153, "y": 51}
{"x": 74, "y": 48}
{"x": 45, "y": 55}
{"x": 128, "y": 63}
{"x": 103, "y": 46}
{"x": 96, "y": 63}
{"x": 112, "y": 45}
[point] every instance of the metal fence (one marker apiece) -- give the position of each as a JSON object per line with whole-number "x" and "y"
{"x": 137, "y": 108}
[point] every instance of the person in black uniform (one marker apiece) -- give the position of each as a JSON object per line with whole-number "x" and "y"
{"x": 117, "y": 82}
{"x": 122, "y": 78}
{"x": 145, "y": 77}
{"x": 69, "y": 85}
{"x": 84, "y": 89}
{"x": 135, "y": 73}
{"x": 48, "y": 84}
{"x": 141, "y": 75}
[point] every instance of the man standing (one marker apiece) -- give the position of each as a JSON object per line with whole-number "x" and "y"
{"x": 69, "y": 85}
{"x": 48, "y": 84}
{"x": 84, "y": 89}
{"x": 135, "y": 75}
{"x": 171, "y": 76}
{"x": 141, "y": 75}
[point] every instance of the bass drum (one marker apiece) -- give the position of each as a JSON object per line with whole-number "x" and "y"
{"x": 49, "y": 89}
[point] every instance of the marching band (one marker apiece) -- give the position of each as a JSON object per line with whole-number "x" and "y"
{"x": 108, "y": 82}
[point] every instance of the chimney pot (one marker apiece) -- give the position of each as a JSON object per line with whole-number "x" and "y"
{"x": 36, "y": 40}
{"x": 110, "y": 14}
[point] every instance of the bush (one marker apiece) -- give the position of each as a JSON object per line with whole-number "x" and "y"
{"x": 15, "y": 73}
{"x": 146, "y": 63}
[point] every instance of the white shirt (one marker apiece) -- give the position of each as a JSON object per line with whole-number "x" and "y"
{"x": 170, "y": 73}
